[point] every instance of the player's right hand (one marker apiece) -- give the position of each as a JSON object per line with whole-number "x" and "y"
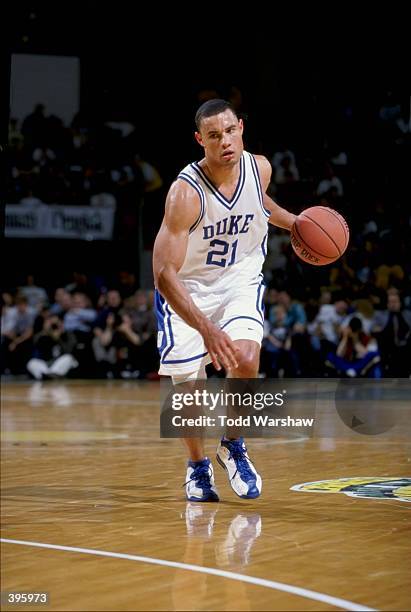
{"x": 221, "y": 348}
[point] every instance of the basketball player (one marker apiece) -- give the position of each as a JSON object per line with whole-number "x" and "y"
{"x": 207, "y": 261}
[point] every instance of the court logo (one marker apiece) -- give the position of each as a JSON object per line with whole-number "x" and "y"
{"x": 376, "y": 488}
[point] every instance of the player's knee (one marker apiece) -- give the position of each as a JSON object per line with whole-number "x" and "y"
{"x": 247, "y": 364}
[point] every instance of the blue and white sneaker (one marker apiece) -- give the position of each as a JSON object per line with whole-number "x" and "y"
{"x": 242, "y": 475}
{"x": 199, "y": 483}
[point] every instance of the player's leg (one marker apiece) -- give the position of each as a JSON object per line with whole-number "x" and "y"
{"x": 243, "y": 322}
{"x": 194, "y": 446}
{"x": 248, "y": 359}
{"x": 232, "y": 453}
{"x": 183, "y": 356}
{"x": 199, "y": 481}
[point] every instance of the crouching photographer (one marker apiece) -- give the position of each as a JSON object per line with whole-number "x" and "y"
{"x": 52, "y": 351}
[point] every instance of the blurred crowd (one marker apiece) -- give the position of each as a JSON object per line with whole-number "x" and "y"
{"x": 80, "y": 330}
{"x": 87, "y": 329}
{"x": 84, "y": 164}
{"x": 351, "y": 318}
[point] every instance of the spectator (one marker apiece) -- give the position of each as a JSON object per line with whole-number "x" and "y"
{"x": 357, "y": 353}
{"x": 278, "y": 357}
{"x": 295, "y": 321}
{"x": 17, "y": 335}
{"x": 52, "y": 349}
{"x": 364, "y": 311}
{"x": 62, "y": 302}
{"x": 296, "y": 318}
{"x": 80, "y": 317}
{"x": 36, "y": 296}
{"x": 393, "y": 329}
{"x": 144, "y": 324}
{"x": 78, "y": 322}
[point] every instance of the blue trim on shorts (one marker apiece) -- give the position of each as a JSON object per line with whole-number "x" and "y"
{"x": 242, "y": 317}
{"x": 170, "y": 331}
{"x": 159, "y": 301}
{"x": 264, "y": 245}
{"x": 260, "y": 299}
{"x": 163, "y": 321}
{"x": 185, "y": 360}
{"x": 164, "y": 313}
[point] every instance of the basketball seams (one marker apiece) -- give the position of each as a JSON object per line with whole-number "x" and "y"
{"x": 325, "y": 232}
{"x": 304, "y": 242}
{"x": 342, "y": 222}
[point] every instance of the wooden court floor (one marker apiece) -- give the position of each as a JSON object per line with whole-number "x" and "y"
{"x": 93, "y": 513}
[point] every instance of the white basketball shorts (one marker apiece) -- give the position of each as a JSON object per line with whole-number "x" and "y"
{"x": 239, "y": 311}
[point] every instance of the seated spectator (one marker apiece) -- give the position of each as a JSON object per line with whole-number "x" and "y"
{"x": 393, "y": 330}
{"x": 17, "y": 336}
{"x": 36, "y": 296}
{"x": 278, "y": 357}
{"x": 357, "y": 353}
{"x": 115, "y": 347}
{"x": 364, "y": 311}
{"x": 80, "y": 317}
{"x": 52, "y": 349}
{"x": 324, "y": 328}
{"x": 296, "y": 318}
{"x": 144, "y": 324}
{"x": 109, "y": 302}
{"x": 78, "y": 321}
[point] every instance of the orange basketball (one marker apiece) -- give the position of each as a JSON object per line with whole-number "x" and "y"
{"x": 319, "y": 235}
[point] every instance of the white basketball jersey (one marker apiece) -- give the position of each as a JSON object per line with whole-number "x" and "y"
{"x": 227, "y": 243}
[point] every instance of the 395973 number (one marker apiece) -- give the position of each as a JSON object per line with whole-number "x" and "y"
{"x": 26, "y": 598}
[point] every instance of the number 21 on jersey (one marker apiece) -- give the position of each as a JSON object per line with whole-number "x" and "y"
{"x": 222, "y": 253}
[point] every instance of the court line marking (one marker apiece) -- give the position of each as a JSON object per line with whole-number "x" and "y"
{"x": 344, "y": 604}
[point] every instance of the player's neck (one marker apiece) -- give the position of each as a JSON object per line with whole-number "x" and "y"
{"x": 219, "y": 175}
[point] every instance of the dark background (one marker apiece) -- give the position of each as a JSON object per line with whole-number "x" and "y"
{"x": 310, "y": 77}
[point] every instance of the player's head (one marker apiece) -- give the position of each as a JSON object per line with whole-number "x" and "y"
{"x": 220, "y": 132}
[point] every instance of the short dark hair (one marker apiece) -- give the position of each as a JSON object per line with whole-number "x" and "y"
{"x": 211, "y": 108}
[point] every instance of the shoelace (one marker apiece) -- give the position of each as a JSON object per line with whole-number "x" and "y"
{"x": 237, "y": 453}
{"x": 201, "y": 475}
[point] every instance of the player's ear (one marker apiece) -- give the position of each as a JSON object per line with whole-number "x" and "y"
{"x": 241, "y": 125}
{"x": 198, "y": 138}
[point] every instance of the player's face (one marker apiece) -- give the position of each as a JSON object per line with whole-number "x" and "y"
{"x": 222, "y": 138}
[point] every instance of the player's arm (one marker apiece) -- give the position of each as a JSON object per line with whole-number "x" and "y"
{"x": 170, "y": 248}
{"x": 279, "y": 216}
